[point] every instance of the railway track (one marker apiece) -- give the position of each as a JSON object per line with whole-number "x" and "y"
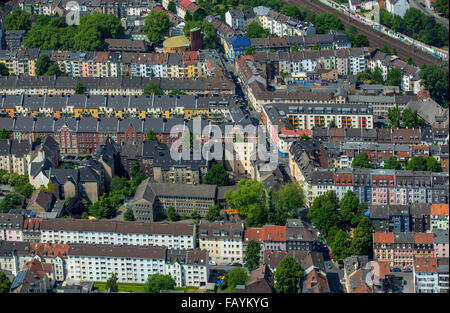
{"x": 376, "y": 39}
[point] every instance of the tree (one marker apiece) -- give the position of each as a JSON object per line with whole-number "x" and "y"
{"x": 361, "y": 161}
{"x": 394, "y": 115}
{"x": 287, "y": 200}
{"x": 442, "y": 6}
{"x": 118, "y": 184}
{"x": 394, "y": 77}
{"x": 288, "y": 275}
{"x": 157, "y": 282}
{"x": 213, "y": 213}
{"x": 208, "y": 32}
{"x": 417, "y": 164}
{"x": 5, "y": 283}
{"x": 349, "y": 206}
{"x": 172, "y": 214}
{"x": 377, "y": 76}
{"x": 156, "y": 26}
{"x": 436, "y": 82}
{"x": 176, "y": 92}
{"x": 18, "y": 20}
{"x": 249, "y": 198}
{"x": 217, "y": 175}
{"x": 360, "y": 41}
{"x": 128, "y": 215}
{"x": 316, "y": 47}
{"x": 199, "y": 15}
{"x": 4, "y": 134}
{"x": 112, "y": 284}
{"x": 293, "y": 11}
{"x": 249, "y": 50}
{"x": 4, "y": 71}
{"x": 392, "y": 164}
{"x": 339, "y": 243}
{"x": 79, "y": 88}
{"x": 171, "y": 7}
{"x": 152, "y": 89}
{"x": 361, "y": 241}
{"x": 324, "y": 22}
{"x": 304, "y": 137}
{"x": 324, "y": 211}
{"x": 10, "y": 201}
{"x": 188, "y": 16}
{"x": 53, "y": 70}
{"x": 332, "y": 124}
{"x": 254, "y": 30}
{"x": 42, "y": 64}
{"x": 411, "y": 119}
{"x": 150, "y": 134}
{"x": 236, "y": 276}
{"x": 294, "y": 48}
{"x": 432, "y": 164}
{"x": 252, "y": 255}
{"x": 75, "y": 207}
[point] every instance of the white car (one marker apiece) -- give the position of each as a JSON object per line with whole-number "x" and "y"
{"x": 212, "y": 263}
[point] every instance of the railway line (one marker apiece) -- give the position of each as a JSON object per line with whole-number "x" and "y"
{"x": 376, "y": 39}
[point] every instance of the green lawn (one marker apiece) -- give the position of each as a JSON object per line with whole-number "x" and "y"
{"x": 123, "y": 287}
{"x": 126, "y": 287}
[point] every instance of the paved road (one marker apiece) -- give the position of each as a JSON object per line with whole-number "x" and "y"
{"x": 376, "y": 39}
{"x": 418, "y": 5}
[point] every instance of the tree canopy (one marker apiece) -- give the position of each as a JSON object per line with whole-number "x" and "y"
{"x": 156, "y": 26}
{"x": 255, "y": 30}
{"x": 286, "y": 201}
{"x": 5, "y": 283}
{"x": 288, "y": 275}
{"x": 217, "y": 175}
{"x": 252, "y": 255}
{"x": 152, "y": 89}
{"x": 18, "y": 20}
{"x": 361, "y": 161}
{"x": 236, "y": 276}
{"x": 75, "y": 207}
{"x": 324, "y": 211}
{"x": 213, "y": 213}
{"x": 392, "y": 163}
{"x": 112, "y": 284}
{"x": 436, "y": 81}
{"x": 423, "y": 163}
{"x": 157, "y": 282}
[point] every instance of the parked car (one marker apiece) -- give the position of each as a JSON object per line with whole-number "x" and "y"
{"x": 229, "y": 264}
{"x": 396, "y": 269}
{"x": 237, "y": 264}
{"x": 329, "y": 266}
{"x": 212, "y": 263}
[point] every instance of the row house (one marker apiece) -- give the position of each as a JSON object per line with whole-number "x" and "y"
{"x": 401, "y": 249}
{"x": 133, "y": 264}
{"x": 426, "y": 277}
{"x": 218, "y": 82}
{"x": 74, "y": 231}
{"x": 12, "y": 255}
{"x": 222, "y": 241}
{"x": 11, "y": 227}
{"x": 400, "y": 218}
{"x": 439, "y": 216}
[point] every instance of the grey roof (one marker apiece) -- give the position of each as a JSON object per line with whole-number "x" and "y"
{"x": 440, "y": 236}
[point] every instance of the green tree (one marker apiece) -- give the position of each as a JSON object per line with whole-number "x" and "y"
{"x": 287, "y": 276}
{"x": 361, "y": 241}
{"x": 156, "y": 26}
{"x": 286, "y": 201}
{"x": 293, "y": 11}
{"x": 53, "y": 70}
{"x": 392, "y": 164}
{"x": 5, "y": 283}
{"x": 294, "y": 48}
{"x": 188, "y": 16}
{"x": 441, "y": 6}
{"x": 208, "y": 32}
{"x": 236, "y": 276}
{"x": 217, "y": 175}
{"x": 42, "y": 64}
{"x": 118, "y": 184}
{"x": 316, "y": 47}
{"x": 3, "y": 70}
{"x": 172, "y": 214}
{"x": 436, "y": 81}
{"x": 349, "y": 206}
{"x": 360, "y": 40}
{"x": 10, "y": 201}
{"x": 361, "y": 161}
{"x": 17, "y": 20}
{"x": 252, "y": 255}
{"x": 432, "y": 164}
{"x": 394, "y": 77}
{"x": 171, "y": 7}
{"x": 176, "y": 92}
{"x": 249, "y": 198}
{"x": 79, "y": 88}
{"x": 254, "y": 30}
{"x": 150, "y": 135}
{"x": 199, "y": 15}
{"x": 157, "y": 282}
{"x": 411, "y": 119}
{"x": 4, "y": 134}
{"x": 377, "y": 76}
{"x": 394, "y": 115}
{"x": 152, "y": 89}
{"x": 324, "y": 211}
{"x": 249, "y": 51}
{"x": 112, "y": 284}
{"x": 213, "y": 213}
{"x": 339, "y": 243}
{"x": 128, "y": 215}
{"x": 304, "y": 137}
{"x": 42, "y": 20}
{"x": 332, "y": 124}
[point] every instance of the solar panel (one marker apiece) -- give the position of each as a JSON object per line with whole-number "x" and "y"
{"x": 19, "y": 279}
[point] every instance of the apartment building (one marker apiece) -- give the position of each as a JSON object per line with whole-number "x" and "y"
{"x": 73, "y": 231}
{"x": 439, "y": 216}
{"x": 133, "y": 264}
{"x": 12, "y": 255}
{"x": 15, "y": 155}
{"x": 222, "y": 240}
{"x": 426, "y": 277}
{"x": 11, "y": 227}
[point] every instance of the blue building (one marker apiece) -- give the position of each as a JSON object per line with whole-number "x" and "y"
{"x": 236, "y": 47}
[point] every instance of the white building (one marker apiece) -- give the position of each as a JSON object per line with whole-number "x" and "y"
{"x": 170, "y": 235}
{"x": 223, "y": 241}
{"x": 397, "y": 7}
{"x": 426, "y": 275}
{"x": 133, "y": 264}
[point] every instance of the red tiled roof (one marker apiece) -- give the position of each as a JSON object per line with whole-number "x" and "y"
{"x": 425, "y": 265}
{"x": 423, "y": 238}
{"x": 253, "y": 234}
{"x": 439, "y": 209}
{"x": 274, "y": 233}
{"x": 379, "y": 237}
